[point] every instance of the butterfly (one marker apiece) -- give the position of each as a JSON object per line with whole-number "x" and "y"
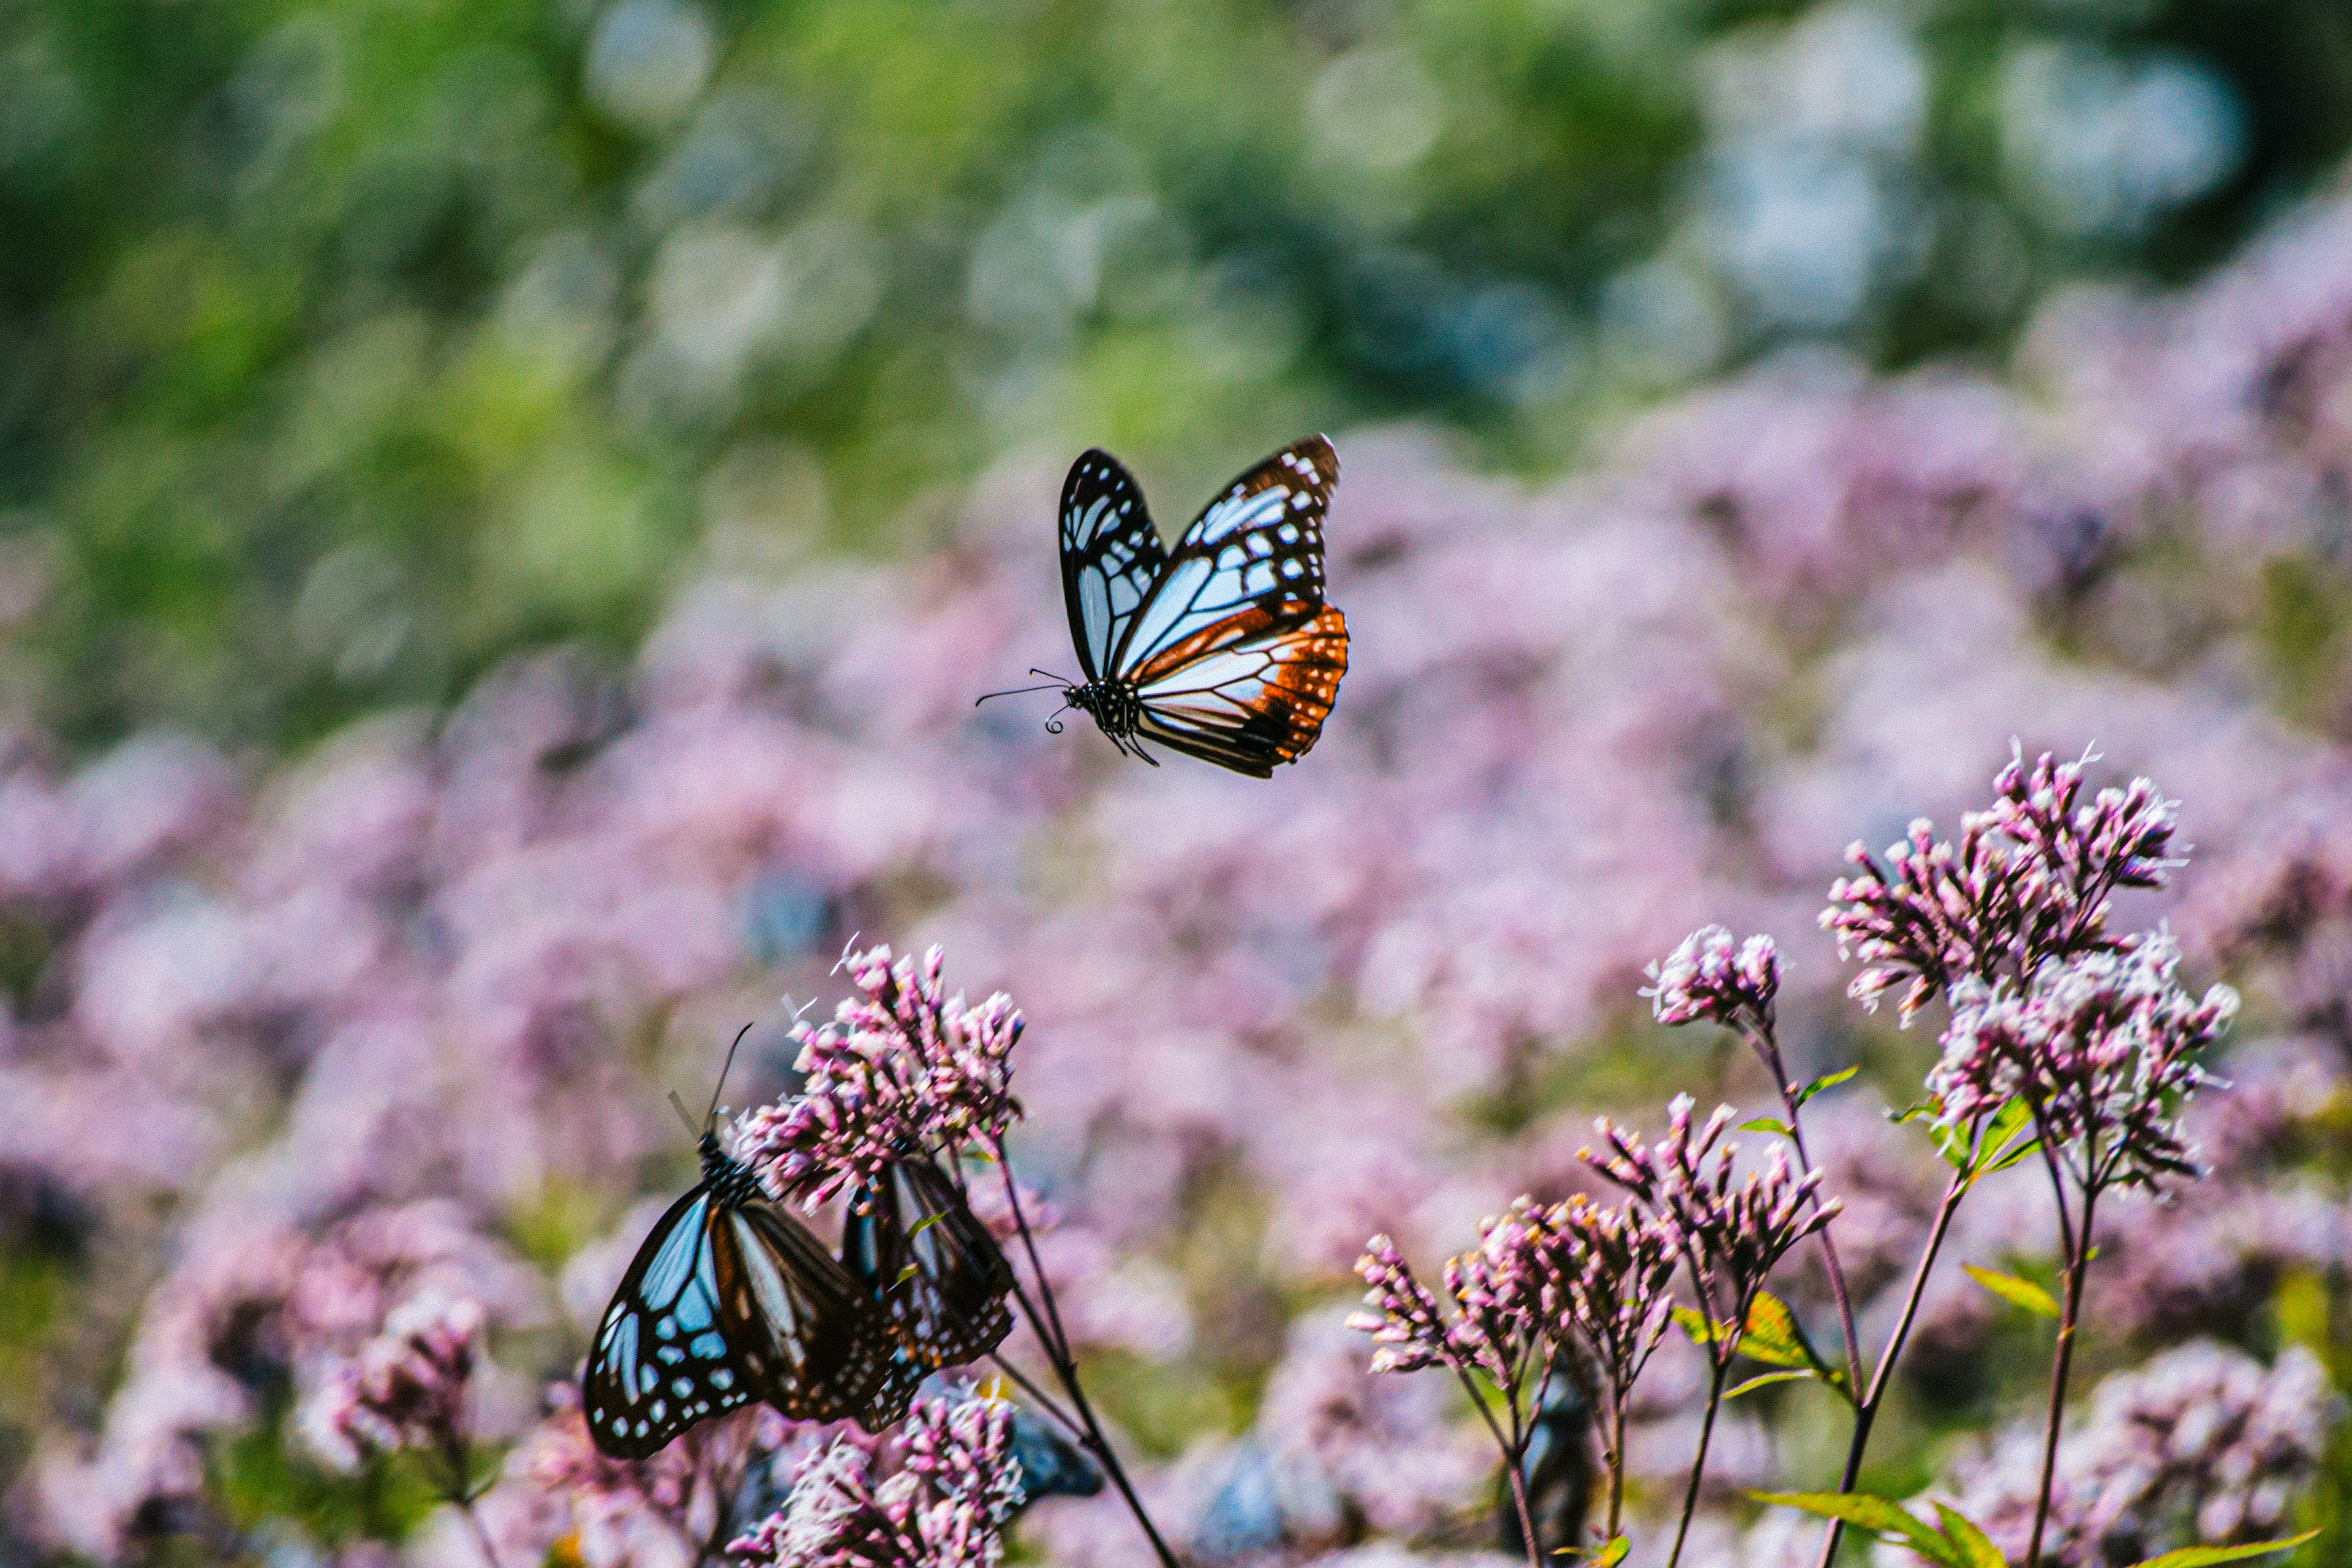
{"x": 932, "y": 1265}
{"x": 1223, "y": 647}
{"x": 730, "y": 1298}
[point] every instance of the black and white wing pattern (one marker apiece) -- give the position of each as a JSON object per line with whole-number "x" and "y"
{"x": 660, "y": 1362}
{"x": 937, "y": 1273}
{"x": 1112, "y": 557}
{"x": 802, "y": 1325}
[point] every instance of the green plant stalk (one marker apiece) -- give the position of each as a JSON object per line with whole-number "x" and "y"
{"x": 2078, "y": 1268}
{"x": 1722, "y": 1364}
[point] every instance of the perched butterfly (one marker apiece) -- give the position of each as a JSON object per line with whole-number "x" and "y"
{"x": 937, "y": 1273}
{"x": 730, "y": 1299}
{"x": 1222, "y": 648}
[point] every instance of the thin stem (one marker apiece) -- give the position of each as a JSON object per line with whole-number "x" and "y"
{"x": 1722, "y": 1364}
{"x": 1038, "y": 1396}
{"x": 1616, "y": 1467}
{"x": 1513, "y": 1459}
{"x": 1768, "y": 1046}
{"x": 1866, "y": 1412}
{"x": 1056, "y": 1346}
{"x": 453, "y": 1454}
{"x": 2078, "y": 1268}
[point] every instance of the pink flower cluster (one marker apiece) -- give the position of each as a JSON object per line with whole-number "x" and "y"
{"x": 1712, "y": 977}
{"x": 2203, "y": 1446}
{"x": 902, "y": 1067}
{"x": 2029, "y": 881}
{"x": 945, "y": 1507}
{"x": 407, "y": 1388}
{"x": 2103, "y": 1048}
{"x": 1735, "y": 1229}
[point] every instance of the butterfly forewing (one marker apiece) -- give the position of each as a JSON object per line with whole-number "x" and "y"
{"x": 660, "y": 1361}
{"x": 938, "y": 1274}
{"x": 1112, "y": 556}
{"x": 801, "y": 1325}
{"x": 1257, "y": 547}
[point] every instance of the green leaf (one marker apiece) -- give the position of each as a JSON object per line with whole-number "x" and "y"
{"x": 1608, "y": 1555}
{"x": 1828, "y": 1080}
{"x": 1694, "y": 1323}
{"x": 925, "y": 1224}
{"x": 2025, "y": 1151}
{"x": 1976, "y": 1548}
{"x": 1768, "y": 1124}
{"x": 1888, "y": 1520}
{"x": 2017, "y": 1292}
{"x": 2200, "y": 1556}
{"x": 1775, "y": 1338}
{"x": 1761, "y": 1379}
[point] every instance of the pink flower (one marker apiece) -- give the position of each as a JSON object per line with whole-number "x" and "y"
{"x": 1713, "y": 976}
{"x": 406, "y": 1389}
{"x": 945, "y": 1507}
{"x": 903, "y": 1067}
{"x": 2103, "y": 1049}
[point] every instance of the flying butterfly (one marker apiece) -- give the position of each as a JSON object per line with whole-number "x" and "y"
{"x": 932, "y": 1265}
{"x": 1222, "y": 648}
{"x": 730, "y": 1298}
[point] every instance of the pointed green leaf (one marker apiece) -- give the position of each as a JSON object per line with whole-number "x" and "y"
{"x": 2203, "y": 1557}
{"x": 925, "y": 1224}
{"x": 1694, "y": 1323}
{"x": 1886, "y": 1520}
{"x": 1828, "y": 1080}
{"x": 1775, "y": 1338}
{"x": 1608, "y": 1555}
{"x": 2008, "y": 1157}
{"x": 2017, "y": 1292}
{"x": 1762, "y": 1379}
{"x": 1768, "y": 1124}
{"x": 1976, "y": 1548}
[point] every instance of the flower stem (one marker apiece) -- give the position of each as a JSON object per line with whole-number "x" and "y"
{"x": 1048, "y": 1328}
{"x": 2078, "y": 1268}
{"x": 453, "y": 1454}
{"x": 1866, "y": 1412}
{"x": 1514, "y": 1449}
{"x": 1616, "y": 1469}
{"x": 1722, "y": 1364}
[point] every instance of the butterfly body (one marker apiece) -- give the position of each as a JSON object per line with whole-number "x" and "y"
{"x": 730, "y": 1298}
{"x": 1222, "y": 648}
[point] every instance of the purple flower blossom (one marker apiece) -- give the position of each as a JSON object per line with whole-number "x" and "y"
{"x": 1715, "y": 977}
{"x": 945, "y": 1507}
{"x": 680, "y": 1497}
{"x": 1733, "y": 1234}
{"x": 2103, "y": 1047}
{"x": 1613, "y": 1291}
{"x": 2202, "y": 1445}
{"x": 2028, "y": 880}
{"x": 1399, "y": 1314}
{"x": 902, "y": 1066}
{"x": 407, "y": 1388}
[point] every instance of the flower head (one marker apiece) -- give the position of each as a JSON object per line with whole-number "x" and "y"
{"x": 2103, "y": 1047}
{"x": 406, "y": 1389}
{"x": 1496, "y": 1290}
{"x": 1735, "y": 1233}
{"x": 1613, "y": 1292}
{"x": 1715, "y": 977}
{"x": 1399, "y": 1312}
{"x": 902, "y": 1066}
{"x": 2028, "y": 880}
{"x": 945, "y": 1507}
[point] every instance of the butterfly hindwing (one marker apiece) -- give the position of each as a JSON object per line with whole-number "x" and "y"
{"x": 937, "y": 1273}
{"x": 1258, "y": 547}
{"x": 801, "y": 1325}
{"x": 1112, "y": 556}
{"x": 660, "y": 1361}
{"x": 1253, "y": 702}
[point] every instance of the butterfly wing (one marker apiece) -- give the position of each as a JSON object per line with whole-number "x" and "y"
{"x": 1254, "y": 701}
{"x": 1258, "y": 547}
{"x": 802, "y": 1327}
{"x": 939, "y": 1275}
{"x": 1112, "y": 556}
{"x": 661, "y": 1361}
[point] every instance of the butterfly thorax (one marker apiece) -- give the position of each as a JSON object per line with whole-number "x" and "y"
{"x": 1115, "y": 705}
{"x": 728, "y": 1181}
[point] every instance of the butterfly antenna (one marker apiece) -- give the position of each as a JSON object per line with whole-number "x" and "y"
{"x": 1054, "y": 719}
{"x": 1013, "y": 691}
{"x": 711, "y": 1118}
{"x": 679, "y": 1106}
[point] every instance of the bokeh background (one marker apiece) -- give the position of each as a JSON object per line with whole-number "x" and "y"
{"x": 504, "y": 507}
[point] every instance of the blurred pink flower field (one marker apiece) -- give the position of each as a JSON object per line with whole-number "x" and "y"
{"x": 294, "y": 1049}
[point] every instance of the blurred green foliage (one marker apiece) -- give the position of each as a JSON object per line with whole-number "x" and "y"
{"x": 345, "y": 346}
